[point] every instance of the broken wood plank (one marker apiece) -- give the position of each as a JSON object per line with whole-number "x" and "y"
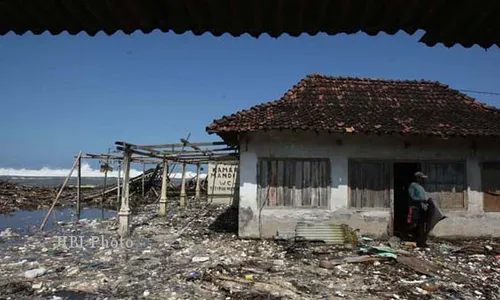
{"x": 419, "y": 265}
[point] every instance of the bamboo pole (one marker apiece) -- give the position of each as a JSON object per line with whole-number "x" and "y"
{"x": 118, "y": 199}
{"x": 198, "y": 171}
{"x": 183, "y": 186}
{"x": 104, "y": 188}
{"x": 60, "y": 191}
{"x": 143, "y": 178}
{"x": 182, "y": 150}
{"x": 78, "y": 189}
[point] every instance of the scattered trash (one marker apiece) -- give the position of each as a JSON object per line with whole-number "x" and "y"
{"x": 430, "y": 287}
{"x": 394, "y": 241}
{"x": 200, "y": 259}
{"x": 418, "y": 265}
{"x": 330, "y": 264}
{"x": 410, "y": 244}
{"x": 37, "y": 286}
{"x": 14, "y": 197}
{"x": 7, "y": 233}
{"x": 193, "y": 276}
{"x": 186, "y": 256}
{"x": 35, "y": 273}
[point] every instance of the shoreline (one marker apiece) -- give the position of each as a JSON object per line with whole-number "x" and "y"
{"x": 16, "y": 197}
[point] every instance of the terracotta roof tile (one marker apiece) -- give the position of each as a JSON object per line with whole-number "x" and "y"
{"x": 361, "y": 105}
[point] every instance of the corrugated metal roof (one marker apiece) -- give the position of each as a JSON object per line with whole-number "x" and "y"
{"x": 465, "y": 22}
{"x": 329, "y": 233}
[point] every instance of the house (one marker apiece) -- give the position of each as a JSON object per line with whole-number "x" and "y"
{"x": 343, "y": 150}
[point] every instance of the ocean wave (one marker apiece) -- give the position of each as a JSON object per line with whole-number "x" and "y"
{"x": 87, "y": 171}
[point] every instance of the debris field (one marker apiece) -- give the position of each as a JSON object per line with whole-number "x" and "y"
{"x": 194, "y": 253}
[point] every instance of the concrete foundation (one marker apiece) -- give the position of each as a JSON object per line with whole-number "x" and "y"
{"x": 470, "y": 221}
{"x": 124, "y": 218}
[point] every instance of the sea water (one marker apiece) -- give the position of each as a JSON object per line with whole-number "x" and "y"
{"x": 26, "y": 222}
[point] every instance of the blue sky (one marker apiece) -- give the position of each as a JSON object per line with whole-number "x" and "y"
{"x": 62, "y": 94}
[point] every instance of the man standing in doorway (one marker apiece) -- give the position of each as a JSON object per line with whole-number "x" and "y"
{"x": 420, "y": 207}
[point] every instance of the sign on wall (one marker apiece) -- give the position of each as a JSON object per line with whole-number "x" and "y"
{"x": 222, "y": 182}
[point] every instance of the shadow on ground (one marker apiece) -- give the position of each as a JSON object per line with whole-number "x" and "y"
{"x": 227, "y": 221}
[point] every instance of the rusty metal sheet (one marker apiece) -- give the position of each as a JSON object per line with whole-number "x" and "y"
{"x": 329, "y": 233}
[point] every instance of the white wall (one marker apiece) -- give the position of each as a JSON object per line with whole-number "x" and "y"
{"x": 339, "y": 148}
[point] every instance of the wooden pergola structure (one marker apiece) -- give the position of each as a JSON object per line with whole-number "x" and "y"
{"x": 166, "y": 154}
{"x": 107, "y": 158}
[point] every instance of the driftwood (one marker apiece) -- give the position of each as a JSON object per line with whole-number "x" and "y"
{"x": 77, "y": 160}
{"x": 419, "y": 265}
{"x": 330, "y": 264}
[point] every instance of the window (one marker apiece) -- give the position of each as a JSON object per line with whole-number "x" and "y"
{"x": 491, "y": 186}
{"x": 446, "y": 183}
{"x": 370, "y": 184}
{"x": 293, "y": 182}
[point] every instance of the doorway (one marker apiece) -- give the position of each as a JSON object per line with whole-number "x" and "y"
{"x": 403, "y": 176}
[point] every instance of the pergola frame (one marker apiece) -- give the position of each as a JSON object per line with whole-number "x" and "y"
{"x": 165, "y": 154}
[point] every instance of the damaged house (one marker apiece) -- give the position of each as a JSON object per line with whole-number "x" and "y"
{"x": 344, "y": 150}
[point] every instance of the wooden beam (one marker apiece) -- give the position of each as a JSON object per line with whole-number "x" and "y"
{"x": 78, "y": 188}
{"x": 118, "y": 197}
{"x": 183, "y": 197}
{"x": 182, "y": 145}
{"x": 60, "y": 192}
{"x": 143, "y": 180}
{"x": 170, "y": 152}
{"x": 120, "y": 148}
{"x": 170, "y": 156}
{"x": 200, "y": 150}
{"x": 197, "y": 190}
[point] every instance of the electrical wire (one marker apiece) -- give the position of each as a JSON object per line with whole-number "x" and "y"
{"x": 480, "y": 92}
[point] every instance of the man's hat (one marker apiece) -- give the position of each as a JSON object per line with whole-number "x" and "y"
{"x": 420, "y": 175}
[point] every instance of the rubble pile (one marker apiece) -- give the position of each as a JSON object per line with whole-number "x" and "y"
{"x": 194, "y": 253}
{"x": 14, "y": 197}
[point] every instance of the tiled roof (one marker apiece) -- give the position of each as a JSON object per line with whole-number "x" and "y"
{"x": 464, "y": 22}
{"x": 357, "y": 105}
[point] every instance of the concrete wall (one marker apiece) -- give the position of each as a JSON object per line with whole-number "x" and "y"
{"x": 470, "y": 221}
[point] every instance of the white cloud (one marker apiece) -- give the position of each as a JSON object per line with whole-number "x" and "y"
{"x": 87, "y": 171}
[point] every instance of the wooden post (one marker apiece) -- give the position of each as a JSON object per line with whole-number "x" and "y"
{"x": 60, "y": 191}
{"x": 183, "y": 186}
{"x": 78, "y": 189}
{"x": 198, "y": 171}
{"x": 124, "y": 214}
{"x": 104, "y": 188}
{"x": 143, "y": 178}
{"x": 163, "y": 198}
{"x": 118, "y": 199}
